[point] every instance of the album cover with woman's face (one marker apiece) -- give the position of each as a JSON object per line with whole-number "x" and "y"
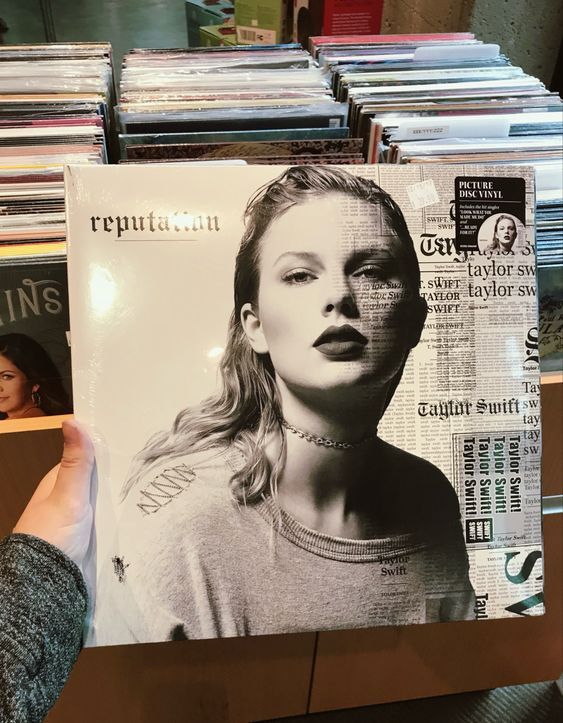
{"x": 35, "y": 374}
{"x": 314, "y": 396}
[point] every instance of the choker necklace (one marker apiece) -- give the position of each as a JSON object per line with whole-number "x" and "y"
{"x": 326, "y": 441}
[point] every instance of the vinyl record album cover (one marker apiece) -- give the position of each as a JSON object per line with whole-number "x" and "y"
{"x": 35, "y": 378}
{"x": 313, "y": 392}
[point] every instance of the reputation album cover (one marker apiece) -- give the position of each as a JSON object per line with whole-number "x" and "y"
{"x": 312, "y": 410}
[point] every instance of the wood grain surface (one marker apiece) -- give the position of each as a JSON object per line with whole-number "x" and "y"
{"x": 364, "y": 667}
{"x": 249, "y": 679}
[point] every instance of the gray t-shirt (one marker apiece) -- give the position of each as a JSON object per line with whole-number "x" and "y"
{"x": 192, "y": 563}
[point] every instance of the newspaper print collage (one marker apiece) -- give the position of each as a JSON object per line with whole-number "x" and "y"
{"x": 314, "y": 395}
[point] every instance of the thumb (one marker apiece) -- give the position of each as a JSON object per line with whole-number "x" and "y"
{"x": 75, "y": 471}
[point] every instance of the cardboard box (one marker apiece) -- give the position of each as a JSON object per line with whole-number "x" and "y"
{"x": 211, "y": 35}
{"x": 335, "y": 17}
{"x": 263, "y": 22}
{"x": 206, "y": 12}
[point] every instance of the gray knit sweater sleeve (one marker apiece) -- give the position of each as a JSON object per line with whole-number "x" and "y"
{"x": 43, "y": 603}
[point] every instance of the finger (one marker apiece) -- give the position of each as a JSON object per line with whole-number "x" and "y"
{"x": 42, "y": 491}
{"x": 45, "y": 487}
{"x": 73, "y": 479}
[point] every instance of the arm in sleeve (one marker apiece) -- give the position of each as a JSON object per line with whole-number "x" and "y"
{"x": 43, "y": 603}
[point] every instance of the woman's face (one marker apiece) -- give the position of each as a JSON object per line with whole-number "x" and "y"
{"x": 334, "y": 304}
{"x": 15, "y": 389}
{"x": 506, "y": 231}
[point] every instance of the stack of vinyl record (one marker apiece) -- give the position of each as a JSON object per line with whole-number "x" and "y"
{"x": 260, "y": 104}
{"x": 549, "y": 216}
{"x": 449, "y": 98}
{"x": 398, "y": 89}
{"x": 549, "y": 247}
{"x": 55, "y": 105}
{"x": 453, "y": 99}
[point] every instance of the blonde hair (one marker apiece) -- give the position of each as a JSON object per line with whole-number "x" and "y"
{"x": 246, "y": 411}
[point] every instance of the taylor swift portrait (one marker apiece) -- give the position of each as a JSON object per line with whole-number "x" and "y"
{"x": 274, "y": 506}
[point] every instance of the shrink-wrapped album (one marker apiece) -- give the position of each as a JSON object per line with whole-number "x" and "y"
{"x": 35, "y": 375}
{"x": 313, "y": 393}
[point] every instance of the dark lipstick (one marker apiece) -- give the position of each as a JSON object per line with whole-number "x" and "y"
{"x": 341, "y": 342}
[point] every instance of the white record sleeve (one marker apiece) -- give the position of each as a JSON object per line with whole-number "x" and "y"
{"x": 349, "y": 294}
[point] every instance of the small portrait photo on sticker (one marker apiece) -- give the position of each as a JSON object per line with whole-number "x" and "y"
{"x": 501, "y": 233}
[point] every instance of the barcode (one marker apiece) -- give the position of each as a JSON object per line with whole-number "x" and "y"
{"x": 256, "y": 36}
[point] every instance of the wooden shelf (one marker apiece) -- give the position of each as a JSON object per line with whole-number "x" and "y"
{"x": 33, "y": 424}
{"x": 243, "y": 679}
{"x": 552, "y": 378}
